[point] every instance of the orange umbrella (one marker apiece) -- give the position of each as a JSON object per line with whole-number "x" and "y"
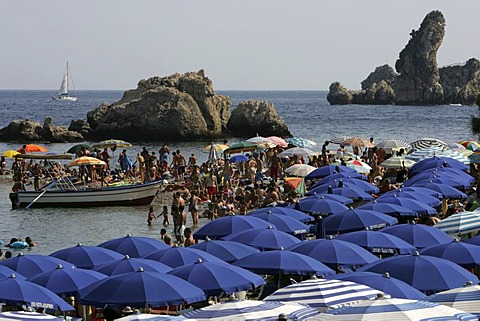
{"x": 32, "y": 148}
{"x": 86, "y": 160}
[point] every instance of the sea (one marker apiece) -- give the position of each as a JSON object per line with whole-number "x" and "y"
{"x": 307, "y": 114}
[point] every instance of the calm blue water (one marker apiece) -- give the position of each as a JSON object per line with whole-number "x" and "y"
{"x": 307, "y": 114}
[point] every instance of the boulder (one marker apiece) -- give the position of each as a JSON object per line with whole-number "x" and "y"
{"x": 176, "y": 107}
{"x": 339, "y": 95}
{"x": 385, "y": 73}
{"x": 461, "y": 83}
{"x": 80, "y": 126}
{"x": 254, "y": 117}
{"x": 419, "y": 79}
{"x": 58, "y": 134}
{"x": 22, "y": 131}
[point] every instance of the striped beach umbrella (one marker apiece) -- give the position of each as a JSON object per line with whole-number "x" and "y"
{"x": 301, "y": 142}
{"x": 397, "y": 162}
{"x": 428, "y": 142}
{"x": 301, "y": 170}
{"x": 395, "y": 309}
{"x": 252, "y": 310}
{"x": 464, "y": 298}
{"x": 390, "y": 145}
{"x": 423, "y": 152}
{"x": 461, "y": 223}
{"x": 470, "y": 144}
{"x": 323, "y": 294}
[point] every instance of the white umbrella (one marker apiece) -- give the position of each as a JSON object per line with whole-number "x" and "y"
{"x": 321, "y": 293}
{"x": 397, "y": 162}
{"x": 296, "y": 151}
{"x": 390, "y": 145}
{"x": 359, "y": 166}
{"x": 395, "y": 309}
{"x": 301, "y": 170}
{"x": 252, "y": 310}
{"x": 25, "y": 316}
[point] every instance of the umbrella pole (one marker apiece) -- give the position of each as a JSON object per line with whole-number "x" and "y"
{"x": 279, "y": 279}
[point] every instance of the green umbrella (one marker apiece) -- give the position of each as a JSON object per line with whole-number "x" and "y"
{"x": 242, "y": 147}
{"x": 76, "y": 148}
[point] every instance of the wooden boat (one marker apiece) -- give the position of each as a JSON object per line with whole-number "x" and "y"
{"x": 62, "y": 193}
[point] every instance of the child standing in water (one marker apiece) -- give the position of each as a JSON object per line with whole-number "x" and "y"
{"x": 151, "y": 216}
{"x": 166, "y": 221}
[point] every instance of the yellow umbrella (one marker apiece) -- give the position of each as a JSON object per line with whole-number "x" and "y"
{"x": 10, "y": 153}
{"x": 216, "y": 147}
{"x": 86, "y": 160}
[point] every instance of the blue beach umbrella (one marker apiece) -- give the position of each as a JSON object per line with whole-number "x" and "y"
{"x": 33, "y": 264}
{"x": 474, "y": 240}
{"x": 250, "y": 310}
{"x": 216, "y": 278}
{"x": 419, "y": 196}
{"x": 66, "y": 281}
{"x": 353, "y": 193}
{"x": 329, "y": 170}
{"x": 238, "y": 159}
{"x": 447, "y": 191}
{"x": 418, "y": 189}
{"x": 460, "y": 223}
{"x": 337, "y": 176}
{"x": 378, "y": 243}
{"x": 383, "y": 282}
{"x": 18, "y": 292}
{"x": 264, "y": 239}
{"x": 324, "y": 294}
{"x": 227, "y": 251}
{"x": 389, "y": 209}
{"x": 464, "y": 298}
{"x": 356, "y": 220}
{"x": 86, "y": 257}
{"x": 463, "y": 254}
{"x": 442, "y": 172}
{"x": 334, "y": 253}
{"x": 427, "y": 274}
{"x": 134, "y": 246}
{"x": 395, "y": 309}
{"x": 178, "y": 256}
{"x": 459, "y": 184}
{"x": 436, "y": 162}
{"x": 348, "y": 182}
{"x": 128, "y": 264}
{"x": 322, "y": 207}
{"x": 418, "y": 235}
{"x": 291, "y": 212}
{"x": 414, "y": 205}
{"x": 6, "y": 272}
{"x": 333, "y": 197}
{"x": 227, "y": 225}
{"x": 139, "y": 289}
{"x": 283, "y": 262}
{"x": 284, "y": 223}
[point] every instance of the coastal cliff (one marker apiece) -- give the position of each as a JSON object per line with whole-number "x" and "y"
{"x": 416, "y": 80}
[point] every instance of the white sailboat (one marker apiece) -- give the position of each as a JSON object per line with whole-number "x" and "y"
{"x": 63, "y": 94}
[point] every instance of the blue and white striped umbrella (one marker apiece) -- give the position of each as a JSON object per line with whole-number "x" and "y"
{"x": 150, "y": 317}
{"x": 323, "y": 294}
{"x": 301, "y": 142}
{"x": 461, "y": 223}
{"x": 252, "y": 310}
{"x": 465, "y": 298}
{"x": 395, "y": 309}
{"x": 424, "y": 152}
{"x": 435, "y": 152}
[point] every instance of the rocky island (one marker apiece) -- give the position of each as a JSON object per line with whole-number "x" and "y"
{"x": 416, "y": 79}
{"x": 179, "y": 107}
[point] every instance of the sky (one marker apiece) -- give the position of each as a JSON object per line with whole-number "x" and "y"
{"x": 243, "y": 45}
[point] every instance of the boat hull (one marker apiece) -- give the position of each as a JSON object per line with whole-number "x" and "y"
{"x": 133, "y": 195}
{"x": 64, "y": 98}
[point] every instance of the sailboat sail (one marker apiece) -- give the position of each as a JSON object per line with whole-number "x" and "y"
{"x": 63, "y": 94}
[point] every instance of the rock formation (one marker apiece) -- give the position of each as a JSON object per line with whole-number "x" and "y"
{"x": 177, "y": 107}
{"x": 256, "y": 117}
{"x": 31, "y": 131}
{"x": 461, "y": 83}
{"x": 339, "y": 95}
{"x": 419, "y": 79}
